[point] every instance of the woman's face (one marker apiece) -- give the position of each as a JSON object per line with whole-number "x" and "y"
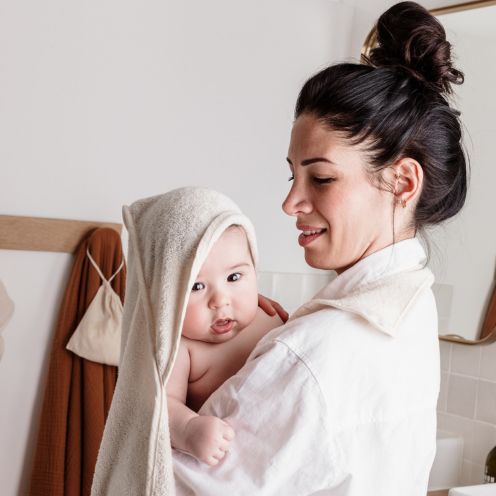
{"x": 332, "y": 194}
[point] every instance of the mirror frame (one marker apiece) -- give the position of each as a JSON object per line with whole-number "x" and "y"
{"x": 371, "y": 42}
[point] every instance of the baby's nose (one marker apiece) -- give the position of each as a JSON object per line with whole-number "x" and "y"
{"x": 219, "y": 299}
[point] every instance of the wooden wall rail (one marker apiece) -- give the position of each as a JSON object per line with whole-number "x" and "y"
{"x": 40, "y": 234}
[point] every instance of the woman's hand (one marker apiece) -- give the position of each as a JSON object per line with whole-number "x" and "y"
{"x": 271, "y": 307}
{"x": 208, "y": 438}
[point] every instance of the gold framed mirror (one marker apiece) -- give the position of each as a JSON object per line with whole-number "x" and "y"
{"x": 466, "y": 297}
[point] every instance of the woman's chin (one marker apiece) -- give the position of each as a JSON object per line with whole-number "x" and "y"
{"x": 325, "y": 260}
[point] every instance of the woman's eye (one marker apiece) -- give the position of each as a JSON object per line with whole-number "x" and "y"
{"x": 323, "y": 180}
{"x": 234, "y": 277}
{"x": 197, "y": 286}
{"x": 290, "y": 178}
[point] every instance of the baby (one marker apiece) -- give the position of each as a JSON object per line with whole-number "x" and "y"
{"x": 223, "y": 302}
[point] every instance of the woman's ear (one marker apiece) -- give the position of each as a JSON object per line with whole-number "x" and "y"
{"x": 408, "y": 177}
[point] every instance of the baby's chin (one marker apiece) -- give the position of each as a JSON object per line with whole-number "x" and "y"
{"x": 210, "y": 336}
{"x": 213, "y": 337}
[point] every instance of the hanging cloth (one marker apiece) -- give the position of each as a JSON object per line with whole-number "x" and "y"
{"x": 78, "y": 392}
{"x": 98, "y": 335}
{"x": 6, "y": 312}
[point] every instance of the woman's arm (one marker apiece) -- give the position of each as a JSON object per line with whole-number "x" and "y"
{"x": 282, "y": 445}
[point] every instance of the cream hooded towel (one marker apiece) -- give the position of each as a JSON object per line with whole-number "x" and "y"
{"x": 170, "y": 236}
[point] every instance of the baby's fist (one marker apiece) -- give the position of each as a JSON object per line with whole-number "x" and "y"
{"x": 208, "y": 438}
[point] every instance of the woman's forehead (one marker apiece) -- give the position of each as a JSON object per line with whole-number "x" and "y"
{"x": 311, "y": 137}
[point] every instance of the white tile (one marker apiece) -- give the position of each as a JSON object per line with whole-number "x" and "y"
{"x": 462, "y": 427}
{"x": 443, "y": 392}
{"x": 265, "y": 284}
{"x": 484, "y": 442}
{"x": 461, "y": 396}
{"x": 313, "y": 283}
{"x": 465, "y": 475}
{"x": 445, "y": 350}
{"x": 465, "y": 359}
{"x": 440, "y": 421}
{"x": 286, "y": 290}
{"x": 488, "y": 362}
{"x": 486, "y": 402}
{"x": 477, "y": 474}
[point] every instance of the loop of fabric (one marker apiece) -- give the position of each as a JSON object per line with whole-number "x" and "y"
{"x": 98, "y": 335}
{"x": 98, "y": 268}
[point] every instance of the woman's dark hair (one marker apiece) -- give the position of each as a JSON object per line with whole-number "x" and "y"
{"x": 396, "y": 107}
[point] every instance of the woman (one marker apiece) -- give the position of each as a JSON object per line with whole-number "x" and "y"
{"x": 342, "y": 399}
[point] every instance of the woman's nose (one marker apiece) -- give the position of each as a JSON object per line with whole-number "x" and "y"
{"x": 297, "y": 202}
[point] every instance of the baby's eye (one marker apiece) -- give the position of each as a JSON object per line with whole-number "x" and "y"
{"x": 197, "y": 286}
{"x": 234, "y": 277}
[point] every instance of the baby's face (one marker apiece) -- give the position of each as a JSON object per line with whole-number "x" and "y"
{"x": 224, "y": 298}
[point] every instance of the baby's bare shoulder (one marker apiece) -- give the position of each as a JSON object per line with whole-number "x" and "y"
{"x": 261, "y": 325}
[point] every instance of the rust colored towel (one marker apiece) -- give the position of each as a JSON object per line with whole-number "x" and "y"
{"x": 78, "y": 392}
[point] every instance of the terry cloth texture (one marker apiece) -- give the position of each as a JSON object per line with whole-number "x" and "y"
{"x": 78, "y": 393}
{"x": 170, "y": 236}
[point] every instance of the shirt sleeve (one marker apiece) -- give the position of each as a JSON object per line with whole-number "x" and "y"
{"x": 282, "y": 446}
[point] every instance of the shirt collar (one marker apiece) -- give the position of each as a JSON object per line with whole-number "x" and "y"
{"x": 381, "y": 288}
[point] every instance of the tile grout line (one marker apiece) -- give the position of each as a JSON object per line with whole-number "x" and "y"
{"x": 457, "y": 374}
{"x": 472, "y": 455}
{"x": 466, "y": 418}
{"x": 449, "y": 374}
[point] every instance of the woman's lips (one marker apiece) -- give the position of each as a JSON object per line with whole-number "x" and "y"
{"x": 222, "y": 326}
{"x": 308, "y": 235}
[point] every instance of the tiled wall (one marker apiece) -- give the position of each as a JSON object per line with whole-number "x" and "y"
{"x": 467, "y": 403}
{"x": 291, "y": 290}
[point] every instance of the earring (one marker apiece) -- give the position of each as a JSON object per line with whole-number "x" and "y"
{"x": 404, "y": 205}
{"x": 398, "y": 176}
{"x": 399, "y": 201}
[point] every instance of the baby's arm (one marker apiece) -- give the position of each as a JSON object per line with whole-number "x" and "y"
{"x": 205, "y": 437}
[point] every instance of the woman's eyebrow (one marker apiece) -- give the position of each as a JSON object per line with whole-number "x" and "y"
{"x": 309, "y": 161}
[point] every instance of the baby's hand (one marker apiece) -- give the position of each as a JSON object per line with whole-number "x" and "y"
{"x": 208, "y": 438}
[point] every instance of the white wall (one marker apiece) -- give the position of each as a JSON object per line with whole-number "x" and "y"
{"x": 109, "y": 101}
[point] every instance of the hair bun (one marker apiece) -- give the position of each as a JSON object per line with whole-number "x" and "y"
{"x": 411, "y": 38}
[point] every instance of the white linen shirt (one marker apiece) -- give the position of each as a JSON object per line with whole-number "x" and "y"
{"x": 341, "y": 400}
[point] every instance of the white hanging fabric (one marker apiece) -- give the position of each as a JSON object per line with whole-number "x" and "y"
{"x": 98, "y": 335}
{"x": 6, "y": 312}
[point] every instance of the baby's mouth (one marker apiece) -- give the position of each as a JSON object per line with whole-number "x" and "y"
{"x": 222, "y": 326}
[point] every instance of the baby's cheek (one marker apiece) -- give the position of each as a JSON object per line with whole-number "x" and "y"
{"x": 192, "y": 320}
{"x": 249, "y": 305}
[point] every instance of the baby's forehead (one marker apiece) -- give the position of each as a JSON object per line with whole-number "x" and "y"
{"x": 230, "y": 249}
